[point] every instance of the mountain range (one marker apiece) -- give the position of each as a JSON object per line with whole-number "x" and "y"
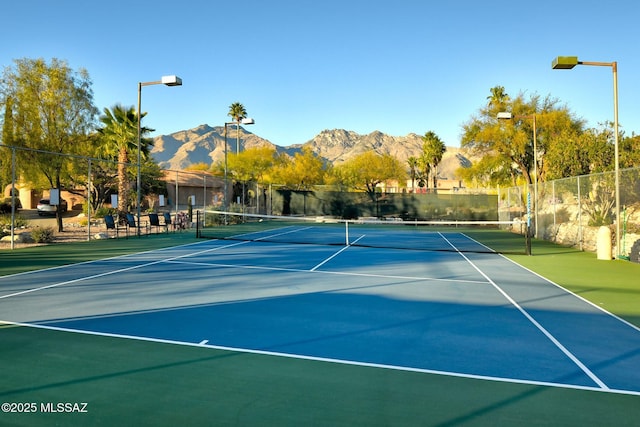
{"x": 205, "y": 144}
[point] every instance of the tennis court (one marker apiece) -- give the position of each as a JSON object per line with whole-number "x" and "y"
{"x": 455, "y": 309}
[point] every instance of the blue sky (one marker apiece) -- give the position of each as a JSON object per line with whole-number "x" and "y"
{"x": 299, "y": 67}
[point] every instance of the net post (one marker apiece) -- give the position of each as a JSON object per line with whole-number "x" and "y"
{"x": 197, "y": 224}
{"x": 346, "y": 226}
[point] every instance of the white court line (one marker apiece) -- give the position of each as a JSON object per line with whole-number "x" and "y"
{"x": 54, "y": 285}
{"x": 335, "y": 255}
{"x": 586, "y": 301}
{"x": 24, "y": 273}
{"x": 328, "y": 360}
{"x": 204, "y": 343}
{"x": 281, "y": 234}
{"x": 340, "y": 273}
{"x": 259, "y": 232}
{"x": 548, "y": 334}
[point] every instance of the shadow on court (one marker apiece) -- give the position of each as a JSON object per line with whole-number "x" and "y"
{"x": 481, "y": 340}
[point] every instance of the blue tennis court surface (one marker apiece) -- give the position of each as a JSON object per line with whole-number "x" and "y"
{"x": 456, "y": 313}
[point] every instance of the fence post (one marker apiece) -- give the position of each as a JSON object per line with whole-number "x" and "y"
{"x": 176, "y": 202}
{"x": 553, "y": 194}
{"x": 579, "y": 216}
{"x": 13, "y": 197}
{"x": 204, "y": 197}
{"x": 528, "y": 233}
{"x": 89, "y": 201}
{"x": 197, "y": 224}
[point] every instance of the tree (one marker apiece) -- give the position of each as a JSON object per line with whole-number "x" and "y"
{"x": 423, "y": 171}
{"x": 367, "y": 170}
{"x": 579, "y": 153}
{"x": 52, "y": 111}
{"x": 498, "y": 98}
{"x": 237, "y": 112}
{"x": 432, "y": 151}
{"x": 119, "y": 138}
{"x": 151, "y": 179}
{"x": 490, "y": 171}
{"x": 251, "y": 164}
{"x": 302, "y": 172}
{"x": 413, "y": 166}
{"x": 5, "y": 153}
{"x": 103, "y": 180}
{"x": 630, "y": 151}
{"x": 510, "y": 142}
{"x": 199, "y": 167}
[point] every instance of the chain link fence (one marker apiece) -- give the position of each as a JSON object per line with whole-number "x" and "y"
{"x": 570, "y": 211}
{"x": 322, "y": 200}
{"x": 49, "y": 196}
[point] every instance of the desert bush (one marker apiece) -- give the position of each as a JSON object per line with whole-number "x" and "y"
{"x": 42, "y": 234}
{"x": 102, "y": 211}
{"x": 20, "y": 221}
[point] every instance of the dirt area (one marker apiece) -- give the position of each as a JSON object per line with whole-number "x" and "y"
{"x": 73, "y": 230}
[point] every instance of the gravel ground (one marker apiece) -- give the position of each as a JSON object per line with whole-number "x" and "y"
{"x": 73, "y": 230}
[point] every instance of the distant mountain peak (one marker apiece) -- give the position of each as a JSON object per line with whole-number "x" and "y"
{"x": 205, "y": 144}
{"x": 202, "y": 129}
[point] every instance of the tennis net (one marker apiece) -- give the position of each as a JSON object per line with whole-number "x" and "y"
{"x": 456, "y": 236}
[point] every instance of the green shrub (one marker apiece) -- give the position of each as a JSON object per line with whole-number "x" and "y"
{"x": 20, "y": 221}
{"x": 214, "y": 220}
{"x": 98, "y": 213}
{"x": 5, "y": 221}
{"x": 102, "y": 211}
{"x": 600, "y": 219}
{"x": 5, "y": 205}
{"x": 42, "y": 234}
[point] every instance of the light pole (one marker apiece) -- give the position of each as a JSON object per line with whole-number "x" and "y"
{"x": 508, "y": 116}
{"x": 567, "y": 63}
{"x": 245, "y": 121}
{"x": 165, "y": 80}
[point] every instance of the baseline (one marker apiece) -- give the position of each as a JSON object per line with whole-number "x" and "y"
{"x": 205, "y": 345}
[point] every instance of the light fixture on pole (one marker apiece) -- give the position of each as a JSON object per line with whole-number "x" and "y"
{"x": 509, "y": 116}
{"x": 167, "y": 81}
{"x": 567, "y": 63}
{"x": 245, "y": 121}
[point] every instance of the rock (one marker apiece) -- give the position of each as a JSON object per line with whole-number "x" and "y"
{"x": 19, "y": 238}
{"x": 634, "y": 255}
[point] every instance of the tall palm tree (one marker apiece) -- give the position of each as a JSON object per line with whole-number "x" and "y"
{"x": 237, "y": 112}
{"x": 119, "y": 139}
{"x": 498, "y": 98}
{"x": 432, "y": 150}
{"x": 423, "y": 171}
{"x": 413, "y": 164}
